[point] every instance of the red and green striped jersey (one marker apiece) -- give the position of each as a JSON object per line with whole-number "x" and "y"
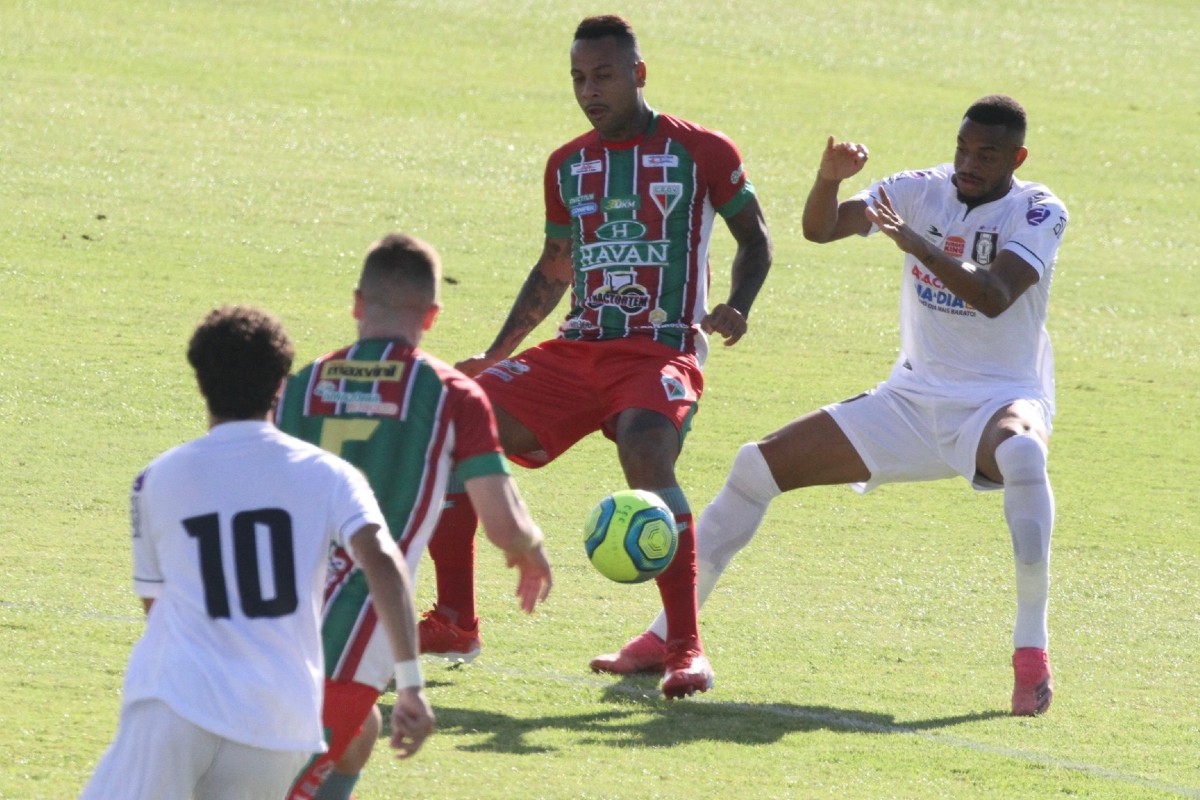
{"x": 406, "y": 420}
{"x": 640, "y": 216}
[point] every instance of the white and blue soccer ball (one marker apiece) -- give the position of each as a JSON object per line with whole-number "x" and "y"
{"x": 630, "y": 536}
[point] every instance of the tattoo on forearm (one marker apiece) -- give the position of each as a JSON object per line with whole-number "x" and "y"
{"x": 537, "y": 298}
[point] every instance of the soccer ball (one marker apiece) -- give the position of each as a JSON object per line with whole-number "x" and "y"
{"x": 630, "y": 536}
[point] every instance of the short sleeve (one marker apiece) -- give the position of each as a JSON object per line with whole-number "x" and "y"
{"x": 354, "y": 505}
{"x": 147, "y": 574}
{"x": 1035, "y": 234}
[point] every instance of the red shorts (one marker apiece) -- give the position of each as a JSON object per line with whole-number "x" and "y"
{"x": 563, "y": 390}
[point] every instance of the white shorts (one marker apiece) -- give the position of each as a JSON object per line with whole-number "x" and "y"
{"x": 159, "y": 755}
{"x": 903, "y": 434}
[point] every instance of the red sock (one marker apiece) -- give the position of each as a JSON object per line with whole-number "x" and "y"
{"x": 677, "y": 585}
{"x": 452, "y": 549}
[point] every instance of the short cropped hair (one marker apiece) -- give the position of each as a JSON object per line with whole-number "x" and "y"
{"x": 610, "y": 25}
{"x": 400, "y": 269}
{"x": 1000, "y": 109}
{"x": 240, "y": 355}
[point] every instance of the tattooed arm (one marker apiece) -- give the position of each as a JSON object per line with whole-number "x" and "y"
{"x": 548, "y": 281}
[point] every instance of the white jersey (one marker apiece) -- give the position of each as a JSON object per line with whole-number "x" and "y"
{"x": 231, "y": 537}
{"x": 946, "y": 345}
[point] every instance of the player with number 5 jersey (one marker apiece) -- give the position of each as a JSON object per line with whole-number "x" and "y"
{"x": 409, "y": 422}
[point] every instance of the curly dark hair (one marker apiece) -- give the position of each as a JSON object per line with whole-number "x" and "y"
{"x": 240, "y": 355}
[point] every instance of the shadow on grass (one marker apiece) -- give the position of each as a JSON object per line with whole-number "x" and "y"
{"x": 640, "y": 717}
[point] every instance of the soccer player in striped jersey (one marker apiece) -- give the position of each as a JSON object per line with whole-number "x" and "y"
{"x": 408, "y": 421}
{"x": 231, "y": 539}
{"x": 630, "y": 207}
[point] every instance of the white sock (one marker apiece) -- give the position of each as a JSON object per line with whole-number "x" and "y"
{"x": 1029, "y": 511}
{"x": 729, "y": 521}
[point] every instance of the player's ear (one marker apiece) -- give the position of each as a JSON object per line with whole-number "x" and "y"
{"x": 1019, "y": 157}
{"x": 639, "y": 72}
{"x": 430, "y": 316}
{"x": 358, "y": 304}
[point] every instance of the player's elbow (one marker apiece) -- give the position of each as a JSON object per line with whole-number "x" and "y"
{"x": 819, "y": 233}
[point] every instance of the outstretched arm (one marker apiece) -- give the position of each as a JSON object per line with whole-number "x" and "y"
{"x": 507, "y": 523}
{"x": 546, "y": 284}
{"x": 751, "y": 263}
{"x": 826, "y": 220}
{"x": 391, "y": 594}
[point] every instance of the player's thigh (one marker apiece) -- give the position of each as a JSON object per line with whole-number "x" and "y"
{"x": 157, "y": 755}
{"x": 242, "y": 772}
{"x": 812, "y": 451}
{"x": 893, "y": 436}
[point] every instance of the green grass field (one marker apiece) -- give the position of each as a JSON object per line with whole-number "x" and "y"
{"x": 160, "y": 158}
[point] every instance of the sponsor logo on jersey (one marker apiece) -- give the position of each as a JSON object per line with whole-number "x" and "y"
{"x": 1037, "y": 215}
{"x": 737, "y": 174}
{"x": 933, "y": 294}
{"x": 362, "y": 370}
{"x": 666, "y": 196}
{"x": 673, "y": 388}
{"x": 934, "y": 232}
{"x": 584, "y": 167}
{"x": 955, "y": 245}
{"x": 621, "y": 230}
{"x": 984, "y": 249}
{"x": 660, "y": 160}
{"x": 355, "y": 402}
{"x": 621, "y": 203}
{"x": 582, "y": 204}
{"x": 623, "y": 254}
{"x": 622, "y": 291}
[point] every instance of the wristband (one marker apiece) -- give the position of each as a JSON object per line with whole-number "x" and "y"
{"x": 408, "y": 675}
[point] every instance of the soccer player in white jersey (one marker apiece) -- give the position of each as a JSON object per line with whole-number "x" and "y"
{"x": 231, "y": 538}
{"x": 972, "y": 392}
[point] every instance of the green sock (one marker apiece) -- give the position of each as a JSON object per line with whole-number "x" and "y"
{"x": 337, "y": 786}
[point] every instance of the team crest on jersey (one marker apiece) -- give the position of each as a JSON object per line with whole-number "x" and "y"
{"x": 666, "y": 196}
{"x": 622, "y": 291}
{"x": 674, "y": 388}
{"x": 660, "y": 160}
{"x": 585, "y": 167}
{"x": 984, "y": 249}
{"x": 955, "y": 245}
